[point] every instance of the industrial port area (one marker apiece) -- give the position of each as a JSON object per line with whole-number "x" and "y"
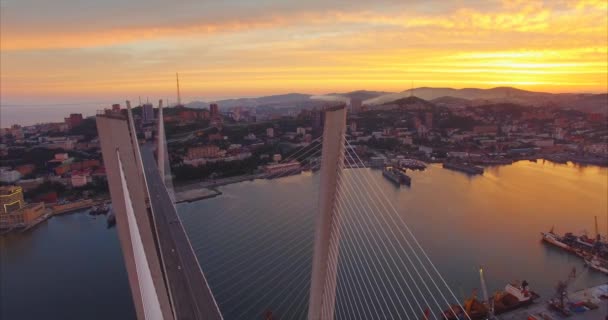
{"x": 587, "y": 304}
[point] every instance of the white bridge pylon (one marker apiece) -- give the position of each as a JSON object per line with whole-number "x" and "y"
{"x": 327, "y": 238}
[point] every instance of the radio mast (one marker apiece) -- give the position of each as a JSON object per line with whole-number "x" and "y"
{"x": 179, "y": 97}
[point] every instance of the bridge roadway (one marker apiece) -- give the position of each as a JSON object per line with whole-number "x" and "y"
{"x": 187, "y": 285}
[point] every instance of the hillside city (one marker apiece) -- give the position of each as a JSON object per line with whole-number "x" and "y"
{"x": 50, "y": 168}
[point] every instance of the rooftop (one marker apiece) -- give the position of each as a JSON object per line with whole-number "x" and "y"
{"x": 9, "y": 190}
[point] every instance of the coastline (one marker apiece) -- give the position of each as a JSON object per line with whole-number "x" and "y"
{"x": 206, "y": 189}
{"x": 54, "y": 209}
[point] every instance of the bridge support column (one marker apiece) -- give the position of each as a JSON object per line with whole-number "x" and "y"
{"x": 162, "y": 153}
{"x": 324, "y": 270}
{"x": 160, "y": 141}
{"x": 133, "y": 221}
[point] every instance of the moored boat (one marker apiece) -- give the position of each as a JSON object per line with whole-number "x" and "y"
{"x": 515, "y": 296}
{"x": 596, "y": 264}
{"x": 412, "y": 164}
{"x": 396, "y": 176}
{"x": 554, "y": 239}
{"x": 463, "y": 167}
{"x": 97, "y": 210}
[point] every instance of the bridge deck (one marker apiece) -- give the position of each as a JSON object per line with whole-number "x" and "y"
{"x": 189, "y": 290}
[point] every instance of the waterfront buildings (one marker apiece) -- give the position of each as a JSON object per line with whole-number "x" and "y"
{"x": 377, "y": 162}
{"x": 14, "y": 212}
{"x": 74, "y": 120}
{"x": 80, "y": 179}
{"x": 9, "y": 176}
{"x": 355, "y": 105}
{"x": 281, "y": 168}
{"x": 201, "y": 155}
{"x": 270, "y": 132}
{"x": 207, "y": 151}
{"x": 11, "y": 199}
{"x": 214, "y": 110}
{"x": 64, "y": 143}
{"x": 318, "y": 118}
{"x": 24, "y": 217}
{"x": 147, "y": 113}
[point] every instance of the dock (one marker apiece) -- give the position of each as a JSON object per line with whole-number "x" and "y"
{"x": 208, "y": 188}
{"x": 73, "y": 206}
{"x": 592, "y": 294}
{"x": 196, "y": 194}
{"x": 39, "y": 220}
{"x": 462, "y": 167}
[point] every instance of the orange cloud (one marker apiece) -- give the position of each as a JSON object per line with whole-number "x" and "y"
{"x": 558, "y": 46}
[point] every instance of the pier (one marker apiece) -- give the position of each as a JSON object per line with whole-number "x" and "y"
{"x": 73, "y": 206}
{"x": 596, "y": 295}
{"x": 192, "y": 195}
{"x": 468, "y": 169}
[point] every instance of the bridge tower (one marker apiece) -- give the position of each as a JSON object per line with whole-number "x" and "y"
{"x": 324, "y": 269}
{"x": 162, "y": 153}
{"x": 121, "y": 157}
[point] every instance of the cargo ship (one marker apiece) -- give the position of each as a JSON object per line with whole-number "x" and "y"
{"x": 412, "y": 164}
{"x": 463, "y": 167}
{"x": 594, "y": 251}
{"x": 554, "y": 239}
{"x": 396, "y": 176}
{"x": 512, "y": 298}
{"x": 597, "y": 264}
{"x": 515, "y": 295}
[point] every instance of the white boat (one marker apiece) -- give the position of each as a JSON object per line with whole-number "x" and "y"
{"x": 595, "y": 263}
{"x": 554, "y": 239}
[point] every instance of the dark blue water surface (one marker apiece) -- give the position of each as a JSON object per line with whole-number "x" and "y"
{"x": 254, "y": 243}
{"x": 69, "y": 267}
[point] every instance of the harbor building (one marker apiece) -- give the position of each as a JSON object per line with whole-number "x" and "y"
{"x": 15, "y": 213}
{"x": 281, "y": 168}
{"x": 11, "y": 199}
{"x": 147, "y": 113}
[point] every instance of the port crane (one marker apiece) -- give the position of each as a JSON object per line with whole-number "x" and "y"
{"x": 486, "y": 297}
{"x": 561, "y": 294}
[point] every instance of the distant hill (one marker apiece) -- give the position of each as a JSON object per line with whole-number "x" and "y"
{"x": 290, "y": 99}
{"x": 360, "y": 94}
{"x": 347, "y": 96}
{"x": 447, "y": 97}
{"x": 411, "y": 103}
{"x": 197, "y": 104}
{"x": 428, "y": 93}
{"x": 585, "y": 102}
{"x": 452, "y": 102}
{"x": 450, "y": 96}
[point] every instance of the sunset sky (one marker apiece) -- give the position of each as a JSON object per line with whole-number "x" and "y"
{"x": 91, "y": 50}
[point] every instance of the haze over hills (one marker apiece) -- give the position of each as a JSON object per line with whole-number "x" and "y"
{"x": 448, "y": 97}
{"x": 474, "y": 96}
{"x": 428, "y": 93}
{"x": 358, "y": 94}
{"x": 281, "y": 100}
{"x": 448, "y": 101}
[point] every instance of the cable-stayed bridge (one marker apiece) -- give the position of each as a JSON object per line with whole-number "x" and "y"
{"x": 345, "y": 252}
